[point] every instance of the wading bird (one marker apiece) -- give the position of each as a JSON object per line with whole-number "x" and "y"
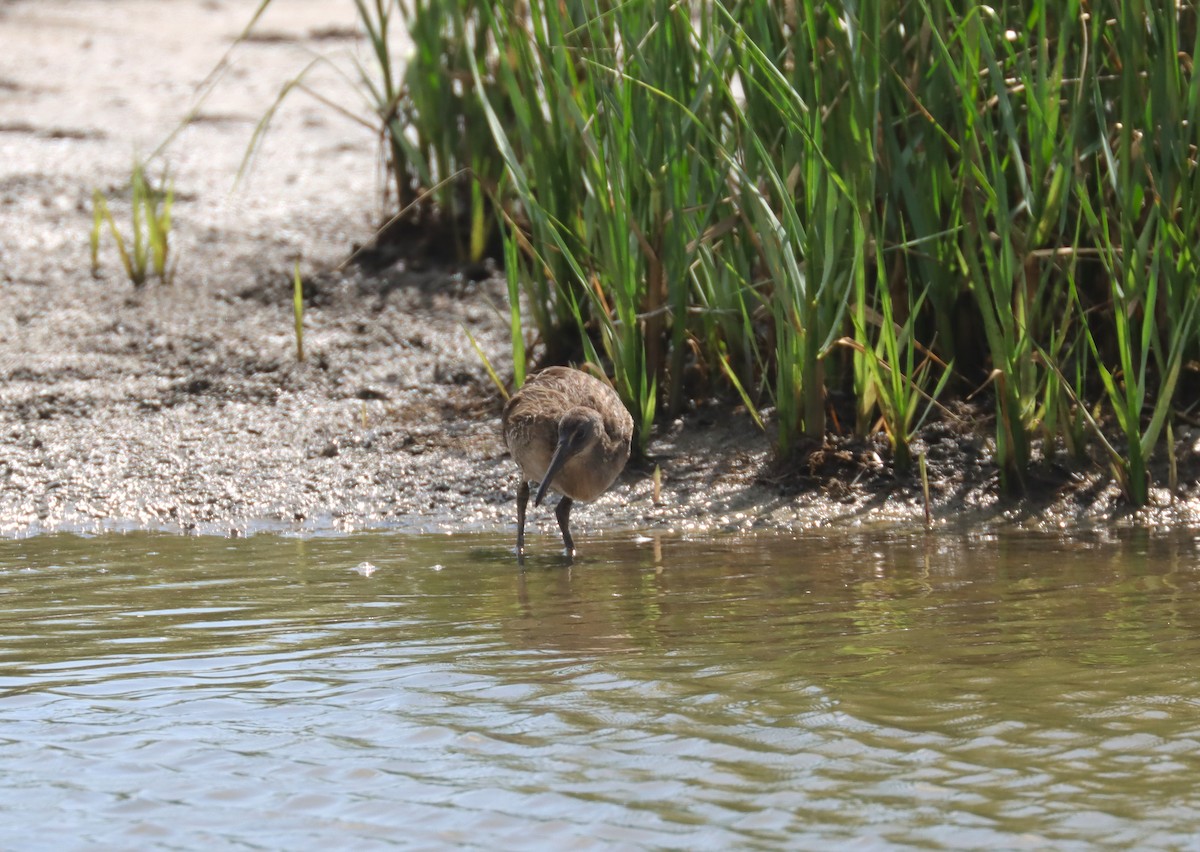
{"x": 568, "y": 432}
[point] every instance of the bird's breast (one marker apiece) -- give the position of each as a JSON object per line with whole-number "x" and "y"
{"x": 584, "y": 476}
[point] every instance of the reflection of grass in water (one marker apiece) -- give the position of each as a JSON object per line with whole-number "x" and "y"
{"x": 147, "y": 246}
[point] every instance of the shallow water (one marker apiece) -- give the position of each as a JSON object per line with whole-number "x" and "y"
{"x": 1010, "y": 691}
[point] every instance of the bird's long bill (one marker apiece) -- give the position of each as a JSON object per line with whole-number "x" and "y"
{"x": 561, "y": 454}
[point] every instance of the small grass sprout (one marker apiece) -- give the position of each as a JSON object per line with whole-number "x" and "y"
{"x": 147, "y": 247}
{"x": 298, "y": 310}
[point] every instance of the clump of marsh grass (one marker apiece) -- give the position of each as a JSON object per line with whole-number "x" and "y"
{"x": 732, "y": 190}
{"x": 441, "y": 163}
{"x": 146, "y": 248}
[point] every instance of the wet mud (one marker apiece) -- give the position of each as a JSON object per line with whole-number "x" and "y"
{"x": 184, "y": 407}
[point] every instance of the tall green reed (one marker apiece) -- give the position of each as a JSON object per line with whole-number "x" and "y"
{"x": 434, "y": 118}
{"x": 802, "y": 199}
{"x": 609, "y": 171}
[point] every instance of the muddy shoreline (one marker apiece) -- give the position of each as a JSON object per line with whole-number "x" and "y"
{"x": 184, "y": 408}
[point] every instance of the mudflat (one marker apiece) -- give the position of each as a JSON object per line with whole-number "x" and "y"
{"x": 184, "y": 407}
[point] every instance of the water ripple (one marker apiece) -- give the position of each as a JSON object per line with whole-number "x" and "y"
{"x": 973, "y": 693}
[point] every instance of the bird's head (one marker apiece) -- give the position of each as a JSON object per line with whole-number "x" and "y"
{"x": 578, "y": 429}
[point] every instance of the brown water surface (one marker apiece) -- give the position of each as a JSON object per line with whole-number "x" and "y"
{"x": 964, "y": 691}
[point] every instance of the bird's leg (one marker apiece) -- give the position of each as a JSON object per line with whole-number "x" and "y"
{"x": 563, "y": 513}
{"x": 522, "y": 502}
